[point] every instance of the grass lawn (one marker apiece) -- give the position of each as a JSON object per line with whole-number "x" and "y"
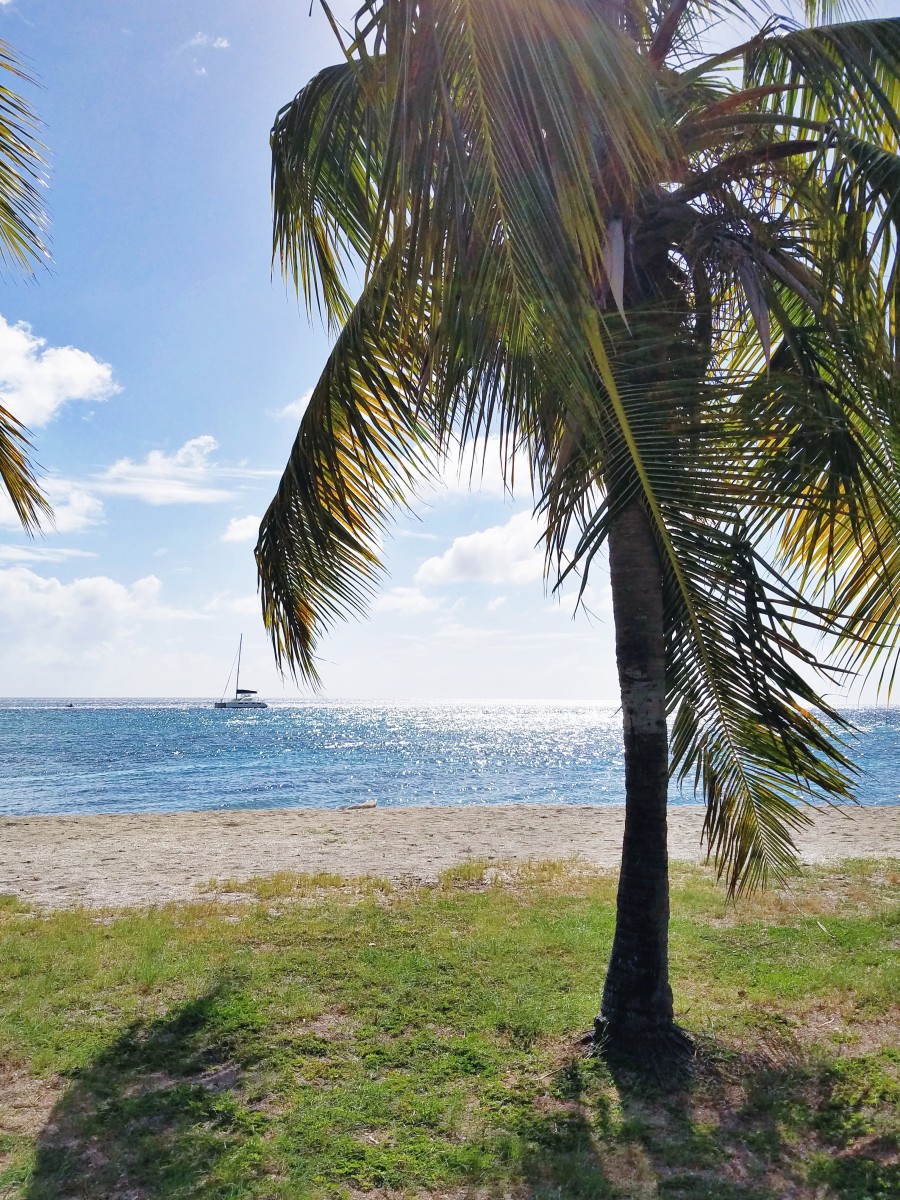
{"x": 302, "y": 1037}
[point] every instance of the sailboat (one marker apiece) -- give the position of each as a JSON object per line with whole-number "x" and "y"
{"x": 243, "y": 697}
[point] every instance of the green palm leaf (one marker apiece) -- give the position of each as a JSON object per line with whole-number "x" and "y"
{"x": 22, "y": 173}
{"x": 658, "y": 285}
{"x": 22, "y": 246}
{"x": 363, "y": 443}
{"x": 18, "y": 475}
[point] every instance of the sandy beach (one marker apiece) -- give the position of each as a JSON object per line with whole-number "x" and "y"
{"x": 152, "y": 858}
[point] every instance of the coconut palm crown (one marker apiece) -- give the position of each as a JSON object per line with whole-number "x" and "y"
{"x": 667, "y": 278}
{"x": 22, "y": 222}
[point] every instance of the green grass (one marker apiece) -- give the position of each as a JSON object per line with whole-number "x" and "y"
{"x": 305, "y": 1037}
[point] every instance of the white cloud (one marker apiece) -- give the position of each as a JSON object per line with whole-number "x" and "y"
{"x": 201, "y": 42}
{"x": 243, "y": 606}
{"x": 497, "y": 602}
{"x": 406, "y": 601}
{"x": 67, "y": 619}
{"x": 241, "y": 529}
{"x": 37, "y": 380}
{"x": 206, "y": 39}
{"x": 185, "y": 477}
{"x": 74, "y": 508}
{"x": 416, "y": 535}
{"x": 455, "y": 631}
{"x": 96, "y": 636}
{"x": 502, "y": 554}
{"x": 480, "y": 471}
{"x": 295, "y": 410}
{"x": 37, "y": 552}
{"x": 593, "y": 601}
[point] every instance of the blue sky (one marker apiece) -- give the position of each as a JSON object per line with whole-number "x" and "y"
{"x": 161, "y": 370}
{"x": 158, "y": 363}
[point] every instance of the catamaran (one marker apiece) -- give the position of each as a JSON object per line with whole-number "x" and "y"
{"x": 243, "y": 697}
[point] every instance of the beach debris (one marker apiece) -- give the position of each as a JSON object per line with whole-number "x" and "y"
{"x": 362, "y": 804}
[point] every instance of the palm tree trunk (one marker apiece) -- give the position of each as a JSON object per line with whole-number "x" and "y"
{"x": 637, "y": 998}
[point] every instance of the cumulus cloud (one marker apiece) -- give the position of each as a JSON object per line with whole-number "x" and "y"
{"x": 295, "y": 410}
{"x": 69, "y": 616}
{"x": 74, "y": 507}
{"x": 405, "y": 601}
{"x": 241, "y": 529}
{"x": 185, "y": 477}
{"x": 84, "y": 633}
{"x": 36, "y": 380}
{"x": 92, "y": 635}
{"x": 505, "y": 554}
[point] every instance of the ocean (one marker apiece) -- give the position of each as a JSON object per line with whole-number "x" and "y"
{"x": 165, "y": 755}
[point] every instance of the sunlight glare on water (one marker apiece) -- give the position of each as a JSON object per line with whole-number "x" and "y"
{"x": 132, "y": 756}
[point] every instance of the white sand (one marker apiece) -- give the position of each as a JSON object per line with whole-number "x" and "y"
{"x": 140, "y": 858}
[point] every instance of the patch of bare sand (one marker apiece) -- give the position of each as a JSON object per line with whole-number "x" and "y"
{"x": 153, "y": 858}
{"x": 25, "y": 1103}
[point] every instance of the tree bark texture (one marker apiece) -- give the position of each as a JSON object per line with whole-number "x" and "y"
{"x": 637, "y": 998}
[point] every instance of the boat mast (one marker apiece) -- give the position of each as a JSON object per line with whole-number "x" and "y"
{"x": 237, "y": 681}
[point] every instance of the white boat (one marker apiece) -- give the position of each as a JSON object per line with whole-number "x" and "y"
{"x": 243, "y": 697}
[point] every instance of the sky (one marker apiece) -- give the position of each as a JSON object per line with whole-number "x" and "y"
{"x": 162, "y": 369}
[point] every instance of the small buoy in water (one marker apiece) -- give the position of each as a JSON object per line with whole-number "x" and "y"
{"x": 364, "y": 804}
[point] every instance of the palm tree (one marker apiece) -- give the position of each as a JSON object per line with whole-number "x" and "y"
{"x": 668, "y": 280}
{"x": 22, "y": 222}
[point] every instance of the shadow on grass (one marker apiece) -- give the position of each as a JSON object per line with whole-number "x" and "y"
{"x": 163, "y": 1113}
{"x": 563, "y": 1155}
{"x": 740, "y": 1127}
{"x": 156, "y": 1114}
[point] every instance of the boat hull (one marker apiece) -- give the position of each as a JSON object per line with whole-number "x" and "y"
{"x": 240, "y": 704}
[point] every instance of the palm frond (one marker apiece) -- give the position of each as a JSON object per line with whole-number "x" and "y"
{"x": 761, "y": 742}
{"x": 363, "y": 443}
{"x": 22, "y": 173}
{"x": 654, "y": 283}
{"x": 325, "y": 160}
{"x": 22, "y": 246}
{"x": 848, "y": 74}
{"x": 17, "y": 473}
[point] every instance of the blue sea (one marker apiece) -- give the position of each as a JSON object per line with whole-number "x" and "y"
{"x": 164, "y": 755}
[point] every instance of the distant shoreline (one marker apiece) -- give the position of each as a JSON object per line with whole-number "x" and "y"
{"x": 313, "y": 701}
{"x": 153, "y": 858}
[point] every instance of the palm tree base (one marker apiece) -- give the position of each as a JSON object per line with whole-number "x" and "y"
{"x": 651, "y": 1050}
